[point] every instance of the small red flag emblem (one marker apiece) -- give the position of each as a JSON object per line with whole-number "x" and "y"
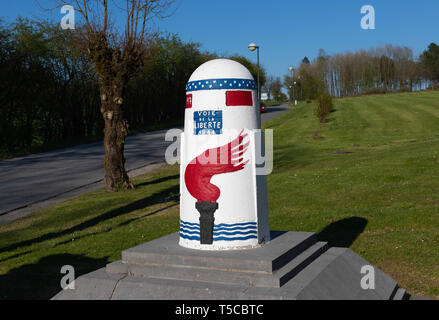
{"x": 188, "y": 101}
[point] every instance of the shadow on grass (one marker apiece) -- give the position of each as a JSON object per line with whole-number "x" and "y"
{"x": 119, "y": 225}
{"x": 42, "y": 280}
{"x": 16, "y": 256}
{"x": 343, "y": 233}
{"x": 292, "y": 156}
{"x": 160, "y": 180}
{"x": 159, "y": 197}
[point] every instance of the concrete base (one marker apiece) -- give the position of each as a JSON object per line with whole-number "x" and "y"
{"x": 293, "y": 265}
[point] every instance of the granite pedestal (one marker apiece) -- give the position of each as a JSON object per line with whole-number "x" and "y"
{"x": 293, "y": 265}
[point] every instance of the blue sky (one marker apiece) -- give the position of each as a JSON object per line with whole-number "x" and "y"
{"x": 286, "y": 30}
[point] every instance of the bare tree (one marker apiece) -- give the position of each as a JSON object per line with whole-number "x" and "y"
{"x": 377, "y": 70}
{"x": 117, "y": 56}
{"x": 275, "y": 89}
{"x": 268, "y": 85}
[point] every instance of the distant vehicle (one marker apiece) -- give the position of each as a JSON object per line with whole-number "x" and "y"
{"x": 262, "y": 107}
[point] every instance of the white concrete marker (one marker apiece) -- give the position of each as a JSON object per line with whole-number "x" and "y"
{"x": 223, "y": 202}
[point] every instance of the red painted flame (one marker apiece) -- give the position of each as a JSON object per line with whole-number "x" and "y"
{"x": 224, "y": 159}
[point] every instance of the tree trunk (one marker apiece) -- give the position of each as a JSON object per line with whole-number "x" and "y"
{"x": 116, "y": 129}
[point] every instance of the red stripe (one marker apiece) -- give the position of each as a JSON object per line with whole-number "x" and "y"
{"x": 239, "y": 98}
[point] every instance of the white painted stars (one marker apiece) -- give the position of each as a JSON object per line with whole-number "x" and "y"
{"x": 217, "y": 84}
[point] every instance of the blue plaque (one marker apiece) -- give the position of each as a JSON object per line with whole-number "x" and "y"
{"x": 208, "y": 122}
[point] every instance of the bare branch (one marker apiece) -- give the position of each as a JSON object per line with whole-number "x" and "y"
{"x": 105, "y": 23}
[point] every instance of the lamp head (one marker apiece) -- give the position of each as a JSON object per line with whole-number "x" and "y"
{"x": 252, "y": 46}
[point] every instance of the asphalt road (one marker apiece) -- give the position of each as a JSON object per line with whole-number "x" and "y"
{"x": 31, "y": 179}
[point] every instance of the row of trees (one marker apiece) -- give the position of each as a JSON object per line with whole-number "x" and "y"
{"x": 273, "y": 87}
{"x": 379, "y": 70}
{"x": 49, "y": 89}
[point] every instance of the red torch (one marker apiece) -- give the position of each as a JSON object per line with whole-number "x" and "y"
{"x": 199, "y": 172}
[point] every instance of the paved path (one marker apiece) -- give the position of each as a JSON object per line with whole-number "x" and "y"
{"x": 62, "y": 174}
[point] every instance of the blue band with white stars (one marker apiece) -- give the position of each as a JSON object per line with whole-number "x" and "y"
{"x": 221, "y": 84}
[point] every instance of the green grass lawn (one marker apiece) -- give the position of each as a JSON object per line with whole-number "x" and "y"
{"x": 367, "y": 179}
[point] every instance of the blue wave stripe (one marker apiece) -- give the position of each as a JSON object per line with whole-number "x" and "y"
{"x": 219, "y": 238}
{"x": 234, "y": 238}
{"x": 220, "y": 225}
{"x": 235, "y": 233}
{"x": 191, "y": 228}
{"x": 222, "y": 228}
{"x": 189, "y": 223}
{"x": 189, "y": 237}
{"x": 197, "y": 233}
{"x": 235, "y": 228}
{"x": 236, "y": 224}
{"x": 221, "y": 232}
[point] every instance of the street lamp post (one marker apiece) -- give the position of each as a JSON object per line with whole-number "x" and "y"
{"x": 253, "y": 47}
{"x": 295, "y": 100}
{"x": 292, "y": 79}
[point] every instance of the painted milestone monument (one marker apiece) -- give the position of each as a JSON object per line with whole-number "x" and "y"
{"x": 223, "y": 201}
{"x": 224, "y": 248}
